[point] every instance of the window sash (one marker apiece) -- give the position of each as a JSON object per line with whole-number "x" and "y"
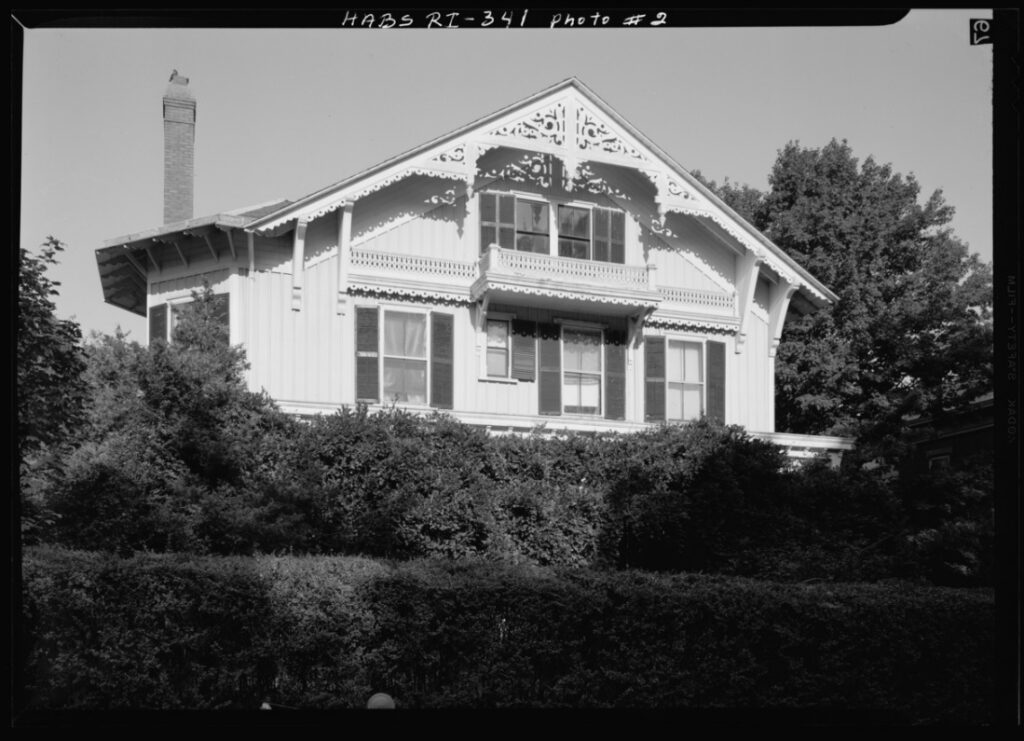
{"x": 582, "y": 232}
{"x": 498, "y": 353}
{"x": 582, "y": 371}
{"x": 404, "y": 370}
{"x": 684, "y": 380}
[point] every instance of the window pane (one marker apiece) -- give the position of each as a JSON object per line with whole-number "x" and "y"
{"x": 674, "y": 401}
{"x": 506, "y": 209}
{"x": 692, "y": 403}
{"x": 581, "y": 393}
{"x": 582, "y": 350}
{"x": 532, "y": 217}
{"x": 692, "y": 363}
{"x": 506, "y": 238}
{"x": 574, "y": 222}
{"x": 600, "y": 249}
{"x": 488, "y": 211}
{"x": 497, "y": 333}
{"x": 405, "y": 380}
{"x": 601, "y": 223}
{"x": 572, "y": 248}
{"x": 497, "y": 361}
{"x": 618, "y": 227}
{"x": 487, "y": 236}
{"x": 405, "y": 334}
{"x": 532, "y": 243}
{"x": 618, "y": 253}
{"x": 674, "y": 361}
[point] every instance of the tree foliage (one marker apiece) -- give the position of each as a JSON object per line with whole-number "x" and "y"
{"x": 911, "y": 332}
{"x": 51, "y": 361}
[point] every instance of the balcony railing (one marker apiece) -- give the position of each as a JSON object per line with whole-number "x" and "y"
{"x": 388, "y": 262}
{"x": 565, "y": 269}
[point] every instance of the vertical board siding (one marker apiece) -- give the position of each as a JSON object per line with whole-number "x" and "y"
{"x": 676, "y": 270}
{"x": 435, "y": 235}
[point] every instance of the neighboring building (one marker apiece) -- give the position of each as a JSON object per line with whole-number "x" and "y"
{"x": 546, "y": 264}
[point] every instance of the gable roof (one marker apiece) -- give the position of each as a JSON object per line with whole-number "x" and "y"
{"x": 435, "y": 156}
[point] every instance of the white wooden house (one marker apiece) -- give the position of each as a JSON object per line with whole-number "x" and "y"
{"x": 544, "y": 265}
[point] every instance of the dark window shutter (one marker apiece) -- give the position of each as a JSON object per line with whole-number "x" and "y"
{"x": 716, "y": 380}
{"x": 524, "y": 350}
{"x": 442, "y": 381}
{"x": 157, "y": 323}
{"x": 550, "y": 381}
{"x": 654, "y": 379}
{"x": 367, "y": 354}
{"x": 615, "y": 374}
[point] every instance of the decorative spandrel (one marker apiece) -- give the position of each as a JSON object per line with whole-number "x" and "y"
{"x": 522, "y": 168}
{"x": 455, "y": 155}
{"x": 545, "y": 125}
{"x": 592, "y": 134}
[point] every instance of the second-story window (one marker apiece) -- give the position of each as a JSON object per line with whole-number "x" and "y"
{"x": 582, "y": 232}
{"x": 514, "y": 223}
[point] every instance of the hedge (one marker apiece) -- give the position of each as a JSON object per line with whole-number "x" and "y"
{"x": 169, "y": 632}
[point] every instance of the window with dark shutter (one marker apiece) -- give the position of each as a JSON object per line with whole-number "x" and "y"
{"x": 716, "y": 380}
{"x": 367, "y": 355}
{"x": 441, "y": 361}
{"x": 524, "y": 350}
{"x": 158, "y": 323}
{"x": 654, "y": 379}
{"x": 615, "y": 374}
{"x": 550, "y": 376}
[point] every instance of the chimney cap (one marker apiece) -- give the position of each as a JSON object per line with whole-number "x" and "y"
{"x": 177, "y": 87}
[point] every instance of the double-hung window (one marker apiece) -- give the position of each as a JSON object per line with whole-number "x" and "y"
{"x": 592, "y": 233}
{"x": 515, "y": 223}
{"x": 164, "y": 317}
{"x": 405, "y": 357}
{"x": 498, "y": 348}
{"x": 582, "y": 232}
{"x": 685, "y": 378}
{"x": 581, "y": 371}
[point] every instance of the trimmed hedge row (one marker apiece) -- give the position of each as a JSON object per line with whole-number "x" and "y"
{"x": 164, "y": 631}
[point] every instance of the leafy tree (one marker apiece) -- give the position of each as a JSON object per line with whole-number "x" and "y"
{"x": 911, "y": 332}
{"x": 172, "y": 441}
{"x": 51, "y": 393}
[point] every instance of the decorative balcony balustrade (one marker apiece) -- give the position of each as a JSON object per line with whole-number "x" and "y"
{"x": 510, "y": 271}
{"x": 390, "y": 262}
{"x": 713, "y": 302}
{"x": 565, "y": 269}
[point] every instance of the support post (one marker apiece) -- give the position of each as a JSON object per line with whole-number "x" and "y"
{"x": 747, "y": 270}
{"x": 344, "y": 253}
{"x": 298, "y": 263}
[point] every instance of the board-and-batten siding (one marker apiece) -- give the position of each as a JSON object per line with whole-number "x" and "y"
{"x": 296, "y": 355}
{"x": 434, "y": 235}
{"x": 750, "y": 389}
{"x": 676, "y": 270}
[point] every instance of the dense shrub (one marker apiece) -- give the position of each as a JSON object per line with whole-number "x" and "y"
{"x": 166, "y": 632}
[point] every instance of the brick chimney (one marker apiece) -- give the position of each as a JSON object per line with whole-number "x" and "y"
{"x": 179, "y": 148}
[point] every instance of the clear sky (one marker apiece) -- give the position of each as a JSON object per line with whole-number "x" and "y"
{"x": 281, "y": 113}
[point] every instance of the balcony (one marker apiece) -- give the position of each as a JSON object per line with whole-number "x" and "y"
{"x": 507, "y": 275}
